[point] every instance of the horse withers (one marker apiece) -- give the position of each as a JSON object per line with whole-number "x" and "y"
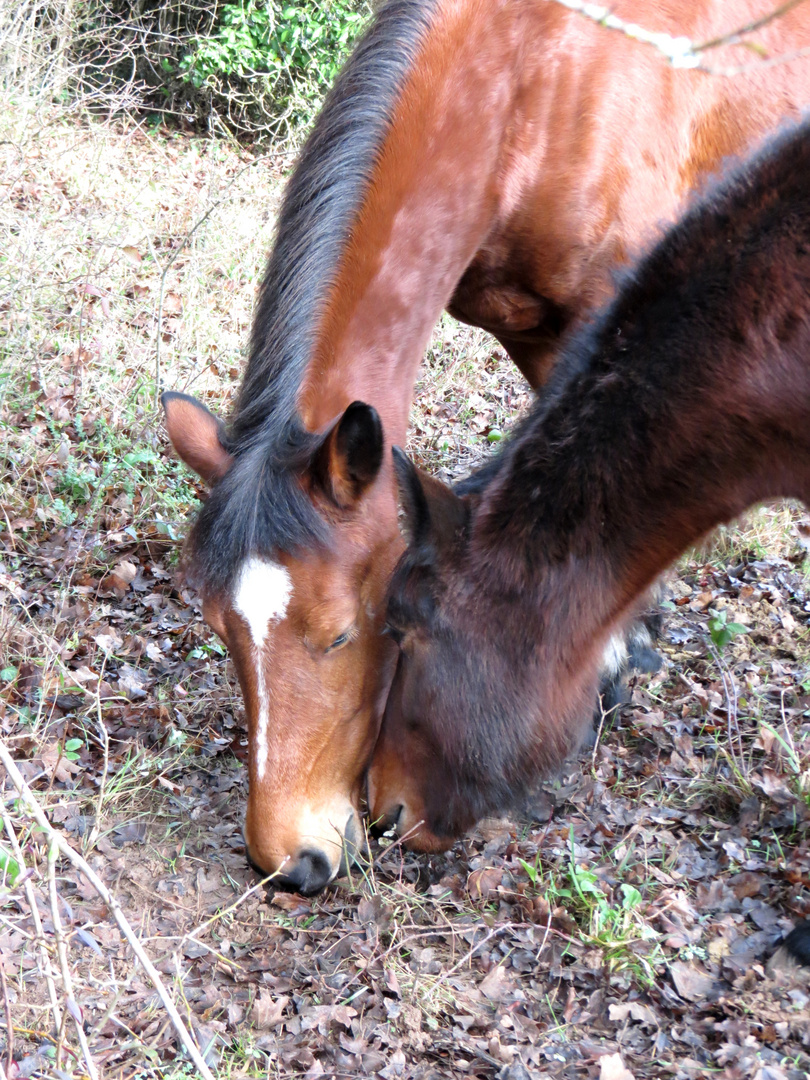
{"x": 685, "y": 402}
{"x": 499, "y": 159}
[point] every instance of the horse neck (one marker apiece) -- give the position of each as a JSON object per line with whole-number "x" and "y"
{"x": 428, "y": 203}
{"x": 692, "y": 403}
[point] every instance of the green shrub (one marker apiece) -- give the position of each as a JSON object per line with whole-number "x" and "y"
{"x": 270, "y": 63}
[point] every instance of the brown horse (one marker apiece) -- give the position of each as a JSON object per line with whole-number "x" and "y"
{"x": 685, "y": 402}
{"x": 495, "y": 157}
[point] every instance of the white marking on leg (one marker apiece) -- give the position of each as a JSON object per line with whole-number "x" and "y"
{"x": 614, "y": 658}
{"x": 261, "y": 597}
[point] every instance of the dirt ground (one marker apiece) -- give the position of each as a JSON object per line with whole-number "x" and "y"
{"x": 617, "y": 928}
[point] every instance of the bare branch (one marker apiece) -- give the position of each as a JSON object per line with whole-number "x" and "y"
{"x": 736, "y": 35}
{"x": 681, "y": 51}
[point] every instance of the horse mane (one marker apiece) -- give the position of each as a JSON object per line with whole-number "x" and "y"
{"x": 260, "y": 505}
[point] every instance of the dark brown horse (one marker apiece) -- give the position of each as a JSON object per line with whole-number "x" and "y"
{"x": 686, "y": 401}
{"x": 496, "y": 157}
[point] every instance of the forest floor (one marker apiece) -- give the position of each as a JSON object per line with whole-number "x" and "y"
{"x": 622, "y": 933}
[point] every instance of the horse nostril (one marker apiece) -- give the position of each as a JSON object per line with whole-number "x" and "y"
{"x": 310, "y": 873}
{"x": 388, "y": 822}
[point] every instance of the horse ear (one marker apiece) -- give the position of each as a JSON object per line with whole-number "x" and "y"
{"x": 351, "y": 454}
{"x": 197, "y": 436}
{"x": 431, "y": 512}
{"x": 414, "y": 517}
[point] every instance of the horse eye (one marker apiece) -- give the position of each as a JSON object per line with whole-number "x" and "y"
{"x": 393, "y": 632}
{"x": 339, "y": 642}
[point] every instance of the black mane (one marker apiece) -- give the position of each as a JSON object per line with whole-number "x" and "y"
{"x": 260, "y": 506}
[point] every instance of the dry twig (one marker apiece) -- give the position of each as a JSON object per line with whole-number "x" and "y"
{"x": 105, "y": 740}
{"x": 109, "y": 899}
{"x": 7, "y": 1010}
{"x": 469, "y": 955}
{"x": 71, "y": 1005}
{"x": 45, "y": 959}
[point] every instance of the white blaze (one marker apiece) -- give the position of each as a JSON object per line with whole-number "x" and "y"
{"x": 262, "y": 593}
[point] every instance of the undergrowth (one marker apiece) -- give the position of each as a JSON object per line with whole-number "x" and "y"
{"x": 129, "y": 262}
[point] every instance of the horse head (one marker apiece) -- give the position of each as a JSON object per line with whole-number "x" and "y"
{"x": 303, "y": 629}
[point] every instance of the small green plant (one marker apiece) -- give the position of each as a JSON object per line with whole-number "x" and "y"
{"x": 71, "y": 749}
{"x": 722, "y": 631}
{"x": 616, "y": 928}
{"x": 207, "y": 649}
{"x": 532, "y": 869}
{"x": 9, "y": 868}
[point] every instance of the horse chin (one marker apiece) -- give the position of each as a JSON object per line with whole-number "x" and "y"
{"x": 423, "y": 840}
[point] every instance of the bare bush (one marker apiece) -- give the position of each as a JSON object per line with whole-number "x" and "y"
{"x": 143, "y": 58}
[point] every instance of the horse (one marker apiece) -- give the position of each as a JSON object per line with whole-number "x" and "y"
{"x": 497, "y": 158}
{"x": 684, "y": 402}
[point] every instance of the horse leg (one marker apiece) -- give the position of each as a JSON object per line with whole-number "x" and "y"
{"x": 626, "y": 652}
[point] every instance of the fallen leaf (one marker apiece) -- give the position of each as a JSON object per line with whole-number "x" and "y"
{"x": 55, "y": 762}
{"x": 612, "y": 1067}
{"x": 691, "y": 982}
{"x": 83, "y": 674}
{"x": 133, "y": 681}
{"x": 496, "y": 986}
{"x": 109, "y": 642}
{"x": 481, "y": 883}
{"x": 268, "y": 1011}
{"x": 121, "y": 577}
{"x": 635, "y": 1010}
{"x": 291, "y": 902}
{"x": 172, "y": 304}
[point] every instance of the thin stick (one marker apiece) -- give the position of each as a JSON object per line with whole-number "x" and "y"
{"x": 732, "y": 724}
{"x": 734, "y": 36}
{"x": 545, "y": 939}
{"x": 239, "y": 900}
{"x": 81, "y": 864}
{"x": 469, "y": 955}
{"x": 9, "y": 1026}
{"x": 119, "y": 989}
{"x": 71, "y": 1005}
{"x": 30, "y": 896}
{"x": 60, "y": 1040}
{"x": 400, "y": 840}
{"x": 94, "y": 832}
{"x": 603, "y": 715}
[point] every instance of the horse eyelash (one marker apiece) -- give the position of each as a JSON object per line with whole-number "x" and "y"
{"x": 342, "y": 639}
